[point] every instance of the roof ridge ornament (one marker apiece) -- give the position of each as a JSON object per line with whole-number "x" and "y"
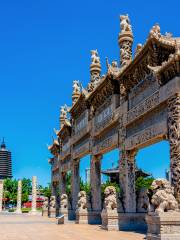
{"x": 155, "y": 31}
{"x": 112, "y": 69}
{"x": 76, "y": 91}
{"x": 95, "y": 71}
{"x": 63, "y": 115}
{"x": 125, "y": 40}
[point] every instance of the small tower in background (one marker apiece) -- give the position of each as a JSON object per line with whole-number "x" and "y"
{"x": 125, "y": 40}
{"x": 5, "y": 162}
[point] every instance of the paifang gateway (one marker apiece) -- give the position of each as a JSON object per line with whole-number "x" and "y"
{"x": 134, "y": 105}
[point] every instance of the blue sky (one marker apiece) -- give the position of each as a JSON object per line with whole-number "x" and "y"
{"x": 44, "y": 46}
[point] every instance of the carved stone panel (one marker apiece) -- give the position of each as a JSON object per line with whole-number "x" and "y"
{"x": 144, "y": 89}
{"x": 147, "y": 136}
{"x": 81, "y": 149}
{"x": 65, "y": 165}
{"x": 106, "y": 142}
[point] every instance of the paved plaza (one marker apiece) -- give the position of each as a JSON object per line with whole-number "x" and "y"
{"x": 24, "y": 227}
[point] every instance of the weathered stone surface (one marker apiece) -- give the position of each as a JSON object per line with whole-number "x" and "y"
{"x": 162, "y": 199}
{"x": 52, "y": 207}
{"x": 132, "y": 106}
{"x": 19, "y": 195}
{"x": 34, "y": 195}
{"x": 45, "y": 207}
{"x": 127, "y": 180}
{"x": 109, "y": 213}
{"x": 165, "y": 226}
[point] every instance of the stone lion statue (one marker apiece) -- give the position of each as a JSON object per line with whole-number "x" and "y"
{"x": 125, "y": 23}
{"x": 64, "y": 201}
{"x": 94, "y": 57}
{"x": 110, "y": 201}
{"x": 52, "y": 203}
{"x": 83, "y": 201}
{"x": 45, "y": 203}
{"x": 162, "y": 199}
{"x": 143, "y": 200}
{"x": 76, "y": 87}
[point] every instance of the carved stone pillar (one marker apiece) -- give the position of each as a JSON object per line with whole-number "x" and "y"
{"x": 127, "y": 179}
{"x": 19, "y": 195}
{"x": 95, "y": 181}
{"x": 174, "y": 141}
{"x": 1, "y": 194}
{"x": 62, "y": 186}
{"x": 75, "y": 183}
{"x": 125, "y": 40}
{"x": 34, "y": 195}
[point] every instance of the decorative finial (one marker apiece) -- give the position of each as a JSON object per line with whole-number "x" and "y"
{"x": 155, "y": 31}
{"x": 138, "y": 49}
{"x": 95, "y": 70}
{"x": 112, "y": 68}
{"x": 125, "y": 40}
{"x": 76, "y": 91}
{"x": 63, "y": 115}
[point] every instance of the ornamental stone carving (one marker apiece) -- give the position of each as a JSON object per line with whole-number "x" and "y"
{"x": 83, "y": 203}
{"x": 109, "y": 213}
{"x": 94, "y": 57}
{"x": 174, "y": 139}
{"x": 45, "y": 204}
{"x": 52, "y": 204}
{"x": 155, "y": 31}
{"x": 64, "y": 202}
{"x": 142, "y": 200}
{"x": 162, "y": 199}
{"x": 125, "y": 40}
{"x": 110, "y": 201}
{"x": 95, "y": 70}
{"x": 76, "y": 91}
{"x": 125, "y": 23}
{"x": 113, "y": 68}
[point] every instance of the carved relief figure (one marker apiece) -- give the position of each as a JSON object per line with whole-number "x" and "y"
{"x": 174, "y": 138}
{"x": 125, "y": 23}
{"x": 162, "y": 199}
{"x": 94, "y": 57}
{"x": 83, "y": 201}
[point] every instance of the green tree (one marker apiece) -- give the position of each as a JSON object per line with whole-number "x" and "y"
{"x": 46, "y": 191}
{"x": 142, "y": 182}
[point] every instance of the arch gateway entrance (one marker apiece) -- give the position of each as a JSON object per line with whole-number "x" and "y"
{"x": 135, "y": 104}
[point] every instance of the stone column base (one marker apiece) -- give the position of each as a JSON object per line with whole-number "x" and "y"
{"x": 82, "y": 217}
{"x": 65, "y": 213}
{"x": 110, "y": 220}
{"x": 18, "y": 211}
{"x": 45, "y": 213}
{"x": 52, "y": 213}
{"x": 88, "y": 217}
{"x": 165, "y": 226}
